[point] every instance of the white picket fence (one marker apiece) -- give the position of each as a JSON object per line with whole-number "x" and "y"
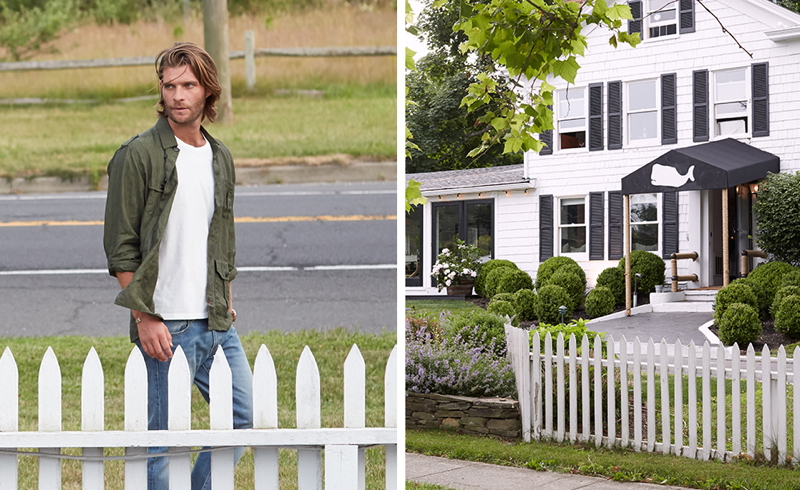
{"x": 569, "y": 397}
{"x": 343, "y": 447}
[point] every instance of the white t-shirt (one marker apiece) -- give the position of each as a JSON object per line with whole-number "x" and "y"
{"x": 180, "y": 292}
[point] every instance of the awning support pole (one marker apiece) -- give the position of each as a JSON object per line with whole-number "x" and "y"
{"x": 627, "y": 238}
{"x": 726, "y": 267}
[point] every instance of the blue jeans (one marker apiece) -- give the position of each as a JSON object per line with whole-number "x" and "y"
{"x": 198, "y": 344}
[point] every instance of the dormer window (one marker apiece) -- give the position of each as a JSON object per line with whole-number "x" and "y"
{"x": 659, "y": 18}
{"x": 662, "y": 18}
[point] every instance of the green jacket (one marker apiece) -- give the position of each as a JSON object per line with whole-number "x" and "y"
{"x": 141, "y": 187}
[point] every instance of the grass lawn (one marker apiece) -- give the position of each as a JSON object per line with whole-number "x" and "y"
{"x": 437, "y": 306}
{"x": 79, "y": 139}
{"x": 617, "y": 464}
{"x": 330, "y": 350}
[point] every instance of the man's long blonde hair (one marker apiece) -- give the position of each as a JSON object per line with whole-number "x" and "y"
{"x": 192, "y": 55}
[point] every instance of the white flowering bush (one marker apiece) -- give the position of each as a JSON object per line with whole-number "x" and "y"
{"x": 458, "y": 266}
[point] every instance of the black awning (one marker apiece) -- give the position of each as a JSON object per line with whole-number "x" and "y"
{"x": 715, "y": 165}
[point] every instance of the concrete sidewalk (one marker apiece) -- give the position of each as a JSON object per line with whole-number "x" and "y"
{"x": 468, "y": 475}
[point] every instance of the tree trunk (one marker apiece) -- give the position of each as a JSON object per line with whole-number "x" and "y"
{"x": 215, "y": 30}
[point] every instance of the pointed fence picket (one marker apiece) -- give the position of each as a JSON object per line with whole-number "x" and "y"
{"x": 657, "y": 397}
{"x": 343, "y": 447}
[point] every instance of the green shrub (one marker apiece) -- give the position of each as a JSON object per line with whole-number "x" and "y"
{"x": 504, "y": 309}
{"x": 553, "y": 264}
{"x": 526, "y": 304}
{"x": 512, "y": 281}
{"x": 576, "y": 327}
{"x": 787, "y": 318}
{"x": 782, "y": 293}
{"x": 649, "y": 265}
{"x": 572, "y": 284}
{"x": 485, "y": 269}
{"x": 477, "y": 328}
{"x": 733, "y": 293}
{"x": 769, "y": 276}
{"x": 613, "y": 278}
{"x": 504, "y": 297}
{"x": 549, "y": 299}
{"x": 739, "y": 324}
{"x": 492, "y": 280}
{"x": 791, "y": 278}
{"x": 762, "y": 297}
{"x": 777, "y": 211}
{"x": 600, "y": 302}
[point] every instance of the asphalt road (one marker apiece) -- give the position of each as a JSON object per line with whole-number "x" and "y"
{"x": 311, "y": 256}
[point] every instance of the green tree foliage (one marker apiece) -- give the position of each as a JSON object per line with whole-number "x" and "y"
{"x": 777, "y": 211}
{"x": 533, "y": 40}
{"x": 444, "y": 131}
{"x": 25, "y": 29}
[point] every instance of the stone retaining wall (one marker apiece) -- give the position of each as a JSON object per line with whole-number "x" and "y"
{"x": 498, "y": 417}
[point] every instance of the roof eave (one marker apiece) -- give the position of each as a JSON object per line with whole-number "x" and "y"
{"x": 530, "y": 184}
{"x": 784, "y": 35}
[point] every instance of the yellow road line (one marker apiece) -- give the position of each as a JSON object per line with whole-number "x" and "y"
{"x": 243, "y": 219}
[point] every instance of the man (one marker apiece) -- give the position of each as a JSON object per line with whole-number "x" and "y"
{"x": 169, "y": 239}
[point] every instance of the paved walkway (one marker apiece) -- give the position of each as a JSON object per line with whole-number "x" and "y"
{"x": 468, "y": 475}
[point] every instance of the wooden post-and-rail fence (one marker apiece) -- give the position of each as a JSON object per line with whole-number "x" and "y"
{"x": 656, "y": 397}
{"x": 343, "y": 447}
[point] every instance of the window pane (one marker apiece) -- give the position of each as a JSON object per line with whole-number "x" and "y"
{"x": 663, "y": 17}
{"x": 644, "y": 207}
{"x": 660, "y": 4}
{"x": 413, "y": 249}
{"x": 571, "y": 104}
{"x": 573, "y": 211}
{"x": 643, "y": 125}
{"x": 642, "y": 95}
{"x": 644, "y": 237}
{"x": 571, "y": 125}
{"x": 573, "y": 240}
{"x": 732, "y": 126}
{"x": 446, "y": 227}
{"x": 731, "y": 85}
{"x": 479, "y": 228}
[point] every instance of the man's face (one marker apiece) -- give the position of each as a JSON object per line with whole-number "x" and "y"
{"x": 184, "y": 97}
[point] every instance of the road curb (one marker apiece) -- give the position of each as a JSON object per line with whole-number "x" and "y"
{"x": 250, "y": 175}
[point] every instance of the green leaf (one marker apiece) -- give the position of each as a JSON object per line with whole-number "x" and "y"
{"x": 413, "y": 195}
{"x": 410, "y": 64}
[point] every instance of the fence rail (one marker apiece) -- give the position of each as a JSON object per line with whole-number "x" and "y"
{"x": 691, "y": 404}
{"x": 150, "y": 60}
{"x": 343, "y": 447}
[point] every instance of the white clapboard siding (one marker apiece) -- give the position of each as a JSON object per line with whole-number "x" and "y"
{"x": 636, "y": 369}
{"x": 344, "y": 461}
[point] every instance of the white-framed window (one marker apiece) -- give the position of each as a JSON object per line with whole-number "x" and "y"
{"x": 645, "y": 222}
{"x": 731, "y": 96}
{"x": 661, "y": 18}
{"x": 571, "y": 118}
{"x": 641, "y": 108}
{"x": 572, "y": 234}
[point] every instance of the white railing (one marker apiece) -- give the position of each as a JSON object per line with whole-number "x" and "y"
{"x": 658, "y": 397}
{"x": 343, "y": 447}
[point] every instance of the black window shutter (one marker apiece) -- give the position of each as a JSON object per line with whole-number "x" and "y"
{"x": 669, "y": 118}
{"x": 669, "y": 244}
{"x": 635, "y": 25}
{"x": 546, "y": 137}
{"x": 760, "y": 99}
{"x": 687, "y": 16}
{"x": 545, "y": 227}
{"x": 595, "y": 116}
{"x": 615, "y": 225}
{"x": 596, "y": 222}
{"x": 614, "y": 115}
{"x": 700, "y": 105}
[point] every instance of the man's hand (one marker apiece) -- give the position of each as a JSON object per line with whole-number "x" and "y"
{"x": 154, "y": 336}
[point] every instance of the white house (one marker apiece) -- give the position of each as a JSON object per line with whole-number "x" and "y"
{"x": 683, "y": 119}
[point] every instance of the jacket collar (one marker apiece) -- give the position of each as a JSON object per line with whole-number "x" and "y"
{"x": 167, "y": 137}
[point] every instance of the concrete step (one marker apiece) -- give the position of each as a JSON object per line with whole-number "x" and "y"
{"x": 701, "y": 295}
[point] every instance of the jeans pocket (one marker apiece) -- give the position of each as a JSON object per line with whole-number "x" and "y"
{"x": 176, "y": 327}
